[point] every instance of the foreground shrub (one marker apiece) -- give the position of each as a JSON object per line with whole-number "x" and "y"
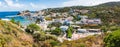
{"x": 113, "y": 39}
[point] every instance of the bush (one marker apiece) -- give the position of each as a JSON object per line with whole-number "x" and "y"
{"x": 113, "y": 39}
{"x": 32, "y": 27}
{"x": 54, "y": 43}
{"x": 56, "y": 24}
{"x": 82, "y": 45}
{"x": 39, "y": 36}
{"x": 12, "y": 20}
{"x": 113, "y": 28}
{"x": 69, "y": 32}
{"x": 57, "y": 31}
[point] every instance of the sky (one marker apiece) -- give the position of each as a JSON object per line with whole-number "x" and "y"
{"x": 33, "y": 5}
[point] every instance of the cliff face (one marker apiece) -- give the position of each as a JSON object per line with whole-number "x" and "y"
{"x": 12, "y": 36}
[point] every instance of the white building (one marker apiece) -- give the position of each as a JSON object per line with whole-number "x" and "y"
{"x": 94, "y": 30}
{"x": 84, "y": 17}
{"x": 94, "y": 21}
{"x": 82, "y": 30}
{"x": 83, "y": 21}
{"x": 64, "y": 28}
{"x": 43, "y": 26}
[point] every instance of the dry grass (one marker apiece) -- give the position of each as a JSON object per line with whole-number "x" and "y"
{"x": 90, "y": 41}
{"x": 13, "y": 36}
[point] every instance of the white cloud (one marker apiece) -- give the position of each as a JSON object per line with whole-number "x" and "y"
{"x": 39, "y": 6}
{"x": 85, "y": 2}
{"x": 0, "y": 3}
{"x": 33, "y": 5}
{"x": 16, "y": 5}
{"x": 10, "y": 3}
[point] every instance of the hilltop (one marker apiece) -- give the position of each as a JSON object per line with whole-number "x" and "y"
{"x": 110, "y": 4}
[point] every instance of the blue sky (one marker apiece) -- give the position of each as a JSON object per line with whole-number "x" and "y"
{"x": 19, "y": 5}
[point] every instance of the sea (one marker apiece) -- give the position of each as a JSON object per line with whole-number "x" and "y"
{"x": 13, "y": 14}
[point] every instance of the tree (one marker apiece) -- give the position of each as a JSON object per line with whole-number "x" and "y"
{"x": 69, "y": 32}
{"x": 15, "y": 22}
{"x": 45, "y": 39}
{"x": 37, "y": 21}
{"x": 77, "y": 17}
{"x": 104, "y": 28}
{"x": 56, "y": 24}
{"x": 32, "y": 27}
{"x": 54, "y": 43}
{"x": 57, "y": 31}
{"x": 92, "y": 15}
{"x": 40, "y": 36}
{"x": 12, "y": 20}
{"x": 113, "y": 39}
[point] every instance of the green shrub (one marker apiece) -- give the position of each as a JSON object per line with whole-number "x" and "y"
{"x": 12, "y": 20}
{"x": 57, "y": 31}
{"x": 113, "y": 39}
{"x": 69, "y": 32}
{"x": 32, "y": 28}
{"x": 54, "y": 43}
{"x": 82, "y": 45}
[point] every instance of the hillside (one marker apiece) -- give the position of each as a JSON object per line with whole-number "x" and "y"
{"x": 108, "y": 12}
{"x": 110, "y": 4}
{"x": 90, "y": 41}
{"x": 12, "y": 36}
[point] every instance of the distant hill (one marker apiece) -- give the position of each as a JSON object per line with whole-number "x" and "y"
{"x": 108, "y": 12}
{"x": 110, "y": 4}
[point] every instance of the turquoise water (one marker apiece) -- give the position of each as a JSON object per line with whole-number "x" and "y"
{"x": 24, "y": 21}
{"x": 13, "y": 14}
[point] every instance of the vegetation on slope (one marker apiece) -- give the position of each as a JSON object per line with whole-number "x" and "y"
{"x": 12, "y": 36}
{"x": 113, "y": 39}
{"x": 108, "y": 12}
{"x": 90, "y": 41}
{"x": 41, "y": 39}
